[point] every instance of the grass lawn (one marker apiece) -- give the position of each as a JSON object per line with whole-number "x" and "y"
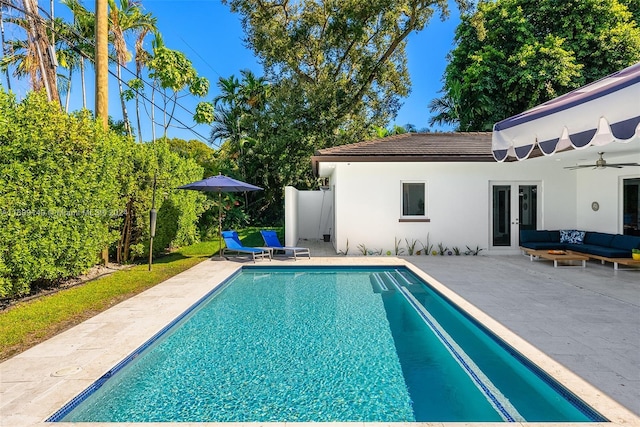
{"x": 29, "y": 323}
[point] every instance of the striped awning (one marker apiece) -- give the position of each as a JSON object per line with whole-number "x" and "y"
{"x": 597, "y": 114}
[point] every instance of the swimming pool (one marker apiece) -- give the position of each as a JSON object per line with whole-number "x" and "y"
{"x": 318, "y": 344}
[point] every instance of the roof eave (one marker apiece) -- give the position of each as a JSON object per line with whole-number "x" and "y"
{"x": 315, "y": 160}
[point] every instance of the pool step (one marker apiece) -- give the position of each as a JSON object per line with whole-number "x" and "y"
{"x": 382, "y": 282}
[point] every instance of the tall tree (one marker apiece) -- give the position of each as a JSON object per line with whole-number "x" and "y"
{"x": 78, "y": 42}
{"x": 174, "y": 77}
{"x": 40, "y": 36}
{"x": 126, "y": 19}
{"x": 2, "y": 47}
{"x": 335, "y": 67}
{"x": 347, "y": 56}
{"x": 235, "y": 121}
{"x": 511, "y": 55}
{"x": 142, "y": 58}
{"x": 33, "y": 56}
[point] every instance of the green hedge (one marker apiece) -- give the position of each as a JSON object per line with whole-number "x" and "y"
{"x": 65, "y": 187}
{"x": 59, "y": 192}
{"x": 178, "y": 210}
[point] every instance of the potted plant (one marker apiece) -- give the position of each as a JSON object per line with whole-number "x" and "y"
{"x": 635, "y": 254}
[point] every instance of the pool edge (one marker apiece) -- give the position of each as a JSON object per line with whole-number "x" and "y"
{"x": 598, "y": 400}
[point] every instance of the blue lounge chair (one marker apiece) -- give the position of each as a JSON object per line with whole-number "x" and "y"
{"x": 271, "y": 241}
{"x": 234, "y": 244}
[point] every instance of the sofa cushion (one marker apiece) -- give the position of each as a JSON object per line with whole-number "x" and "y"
{"x": 542, "y": 245}
{"x": 596, "y": 238}
{"x": 534, "y": 236}
{"x": 604, "y": 251}
{"x": 571, "y": 236}
{"x": 625, "y": 242}
{"x": 554, "y": 236}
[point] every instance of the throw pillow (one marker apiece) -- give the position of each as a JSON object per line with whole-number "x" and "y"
{"x": 572, "y": 236}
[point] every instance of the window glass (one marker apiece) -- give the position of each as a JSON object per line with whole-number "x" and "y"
{"x": 413, "y": 197}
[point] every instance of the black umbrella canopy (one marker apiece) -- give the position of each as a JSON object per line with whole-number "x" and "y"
{"x": 220, "y": 184}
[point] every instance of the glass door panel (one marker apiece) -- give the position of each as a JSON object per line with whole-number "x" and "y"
{"x": 528, "y": 207}
{"x": 631, "y": 207}
{"x": 501, "y": 215}
{"x": 515, "y": 207}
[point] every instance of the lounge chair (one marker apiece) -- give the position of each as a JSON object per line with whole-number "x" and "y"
{"x": 234, "y": 244}
{"x": 271, "y": 241}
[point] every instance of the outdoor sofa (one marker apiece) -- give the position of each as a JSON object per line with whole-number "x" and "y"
{"x": 615, "y": 248}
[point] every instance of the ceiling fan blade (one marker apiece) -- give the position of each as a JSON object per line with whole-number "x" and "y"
{"x": 579, "y": 167}
{"x": 601, "y": 164}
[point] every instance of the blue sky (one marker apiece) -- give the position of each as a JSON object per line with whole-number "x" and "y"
{"x": 211, "y": 37}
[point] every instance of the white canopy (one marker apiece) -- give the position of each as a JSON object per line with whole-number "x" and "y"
{"x": 599, "y": 113}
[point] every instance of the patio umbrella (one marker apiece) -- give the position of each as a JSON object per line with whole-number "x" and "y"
{"x": 220, "y": 184}
{"x": 597, "y": 114}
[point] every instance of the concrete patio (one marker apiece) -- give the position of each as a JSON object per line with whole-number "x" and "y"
{"x": 582, "y": 325}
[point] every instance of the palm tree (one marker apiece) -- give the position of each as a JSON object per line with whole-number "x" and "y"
{"x": 31, "y": 56}
{"x": 79, "y": 41}
{"x": 229, "y": 91}
{"x": 446, "y": 107}
{"x": 228, "y": 111}
{"x": 39, "y": 35}
{"x": 2, "y": 51}
{"x": 142, "y": 57}
{"x": 237, "y": 103}
{"x": 446, "y": 111}
{"x": 129, "y": 18}
{"x": 254, "y": 91}
{"x": 20, "y": 54}
{"x": 228, "y": 115}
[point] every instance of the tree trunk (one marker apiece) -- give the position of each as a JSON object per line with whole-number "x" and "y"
{"x": 102, "y": 63}
{"x": 2, "y": 47}
{"x": 44, "y": 49}
{"x": 125, "y": 235}
{"x": 84, "y": 87}
{"x": 127, "y": 239}
{"x": 66, "y": 105}
{"x": 153, "y": 114}
{"x": 125, "y": 116}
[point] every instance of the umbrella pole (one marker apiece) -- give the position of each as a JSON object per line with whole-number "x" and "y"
{"x": 220, "y": 225}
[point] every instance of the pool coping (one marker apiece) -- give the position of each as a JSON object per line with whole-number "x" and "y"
{"x": 38, "y": 382}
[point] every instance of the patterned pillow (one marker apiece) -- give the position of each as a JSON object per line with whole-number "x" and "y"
{"x": 571, "y": 236}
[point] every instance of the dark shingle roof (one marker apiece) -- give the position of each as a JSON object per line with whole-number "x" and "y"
{"x": 413, "y": 147}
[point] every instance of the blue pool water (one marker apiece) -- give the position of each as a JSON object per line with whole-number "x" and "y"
{"x": 316, "y": 344}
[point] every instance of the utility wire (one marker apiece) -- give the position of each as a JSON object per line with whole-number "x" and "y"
{"x": 112, "y": 58}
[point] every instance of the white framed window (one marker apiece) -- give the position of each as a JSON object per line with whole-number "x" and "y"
{"x": 414, "y": 200}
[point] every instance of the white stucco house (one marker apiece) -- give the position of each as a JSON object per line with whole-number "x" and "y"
{"x": 447, "y": 188}
{"x": 570, "y": 163}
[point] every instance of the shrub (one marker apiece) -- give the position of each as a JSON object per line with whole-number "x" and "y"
{"x": 70, "y": 189}
{"x": 59, "y": 192}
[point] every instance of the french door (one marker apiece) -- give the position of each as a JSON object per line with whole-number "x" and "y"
{"x": 514, "y": 207}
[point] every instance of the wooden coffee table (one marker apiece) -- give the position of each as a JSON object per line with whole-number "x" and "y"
{"x": 556, "y": 256}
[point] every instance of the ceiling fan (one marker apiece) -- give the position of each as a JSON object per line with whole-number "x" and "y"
{"x": 602, "y": 163}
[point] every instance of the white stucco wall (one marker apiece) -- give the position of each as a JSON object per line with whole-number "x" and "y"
{"x": 308, "y": 215}
{"x": 367, "y": 202}
{"x": 458, "y": 195}
{"x": 604, "y": 187}
{"x": 291, "y": 207}
{"x": 315, "y": 214}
